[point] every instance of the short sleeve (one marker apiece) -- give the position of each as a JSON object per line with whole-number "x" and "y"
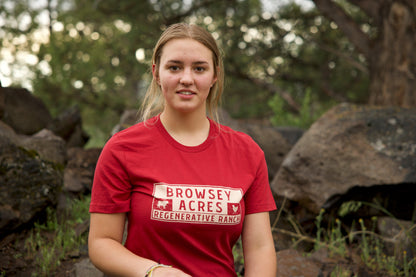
{"x": 111, "y": 189}
{"x": 259, "y": 197}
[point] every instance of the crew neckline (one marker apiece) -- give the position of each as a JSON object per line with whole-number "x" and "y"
{"x": 185, "y": 148}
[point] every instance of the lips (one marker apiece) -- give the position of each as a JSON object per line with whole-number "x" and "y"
{"x": 186, "y": 92}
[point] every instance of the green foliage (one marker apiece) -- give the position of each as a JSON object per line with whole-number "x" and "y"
{"x": 332, "y": 238}
{"x": 371, "y": 245}
{"x": 50, "y": 242}
{"x": 349, "y": 207}
{"x": 374, "y": 258}
{"x": 319, "y": 229}
{"x": 238, "y": 256}
{"x": 307, "y": 114}
{"x": 341, "y": 272}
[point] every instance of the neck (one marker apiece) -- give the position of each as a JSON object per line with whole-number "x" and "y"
{"x": 189, "y": 129}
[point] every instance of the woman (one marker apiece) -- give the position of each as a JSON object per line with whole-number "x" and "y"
{"x": 187, "y": 186}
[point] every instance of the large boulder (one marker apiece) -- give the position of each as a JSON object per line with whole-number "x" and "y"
{"x": 79, "y": 171}
{"x": 48, "y": 146}
{"x": 28, "y": 184}
{"x": 68, "y": 125}
{"x": 348, "y": 151}
{"x": 22, "y": 111}
{"x": 44, "y": 143}
{"x": 26, "y": 115}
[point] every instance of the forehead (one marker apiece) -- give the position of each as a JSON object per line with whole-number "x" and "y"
{"x": 184, "y": 49}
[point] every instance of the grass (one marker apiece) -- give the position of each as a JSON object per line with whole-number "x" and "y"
{"x": 372, "y": 255}
{"x": 52, "y": 241}
{"x": 368, "y": 243}
{"x": 365, "y": 241}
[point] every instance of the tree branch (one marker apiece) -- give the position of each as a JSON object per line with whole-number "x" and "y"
{"x": 346, "y": 24}
{"x": 369, "y": 7}
{"x": 356, "y": 64}
{"x": 272, "y": 89}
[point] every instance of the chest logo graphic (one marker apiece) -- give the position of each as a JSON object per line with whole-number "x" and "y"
{"x": 163, "y": 204}
{"x": 196, "y": 204}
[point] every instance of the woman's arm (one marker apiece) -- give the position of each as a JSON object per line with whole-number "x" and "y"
{"x": 109, "y": 255}
{"x": 258, "y": 246}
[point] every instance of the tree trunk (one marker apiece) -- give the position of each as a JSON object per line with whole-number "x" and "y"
{"x": 392, "y": 60}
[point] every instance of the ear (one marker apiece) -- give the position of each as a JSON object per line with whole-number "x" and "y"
{"x": 213, "y": 81}
{"x": 155, "y": 74}
{"x": 215, "y": 77}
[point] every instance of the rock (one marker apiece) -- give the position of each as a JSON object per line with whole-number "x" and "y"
{"x": 127, "y": 119}
{"x": 68, "y": 125}
{"x": 290, "y": 134}
{"x": 79, "y": 171}
{"x": 8, "y": 132}
{"x": 86, "y": 268}
{"x": 291, "y": 263}
{"x": 351, "y": 147}
{"x": 399, "y": 237}
{"x": 49, "y": 146}
{"x": 28, "y": 185}
{"x": 22, "y": 111}
{"x": 78, "y": 138}
{"x": 45, "y": 143}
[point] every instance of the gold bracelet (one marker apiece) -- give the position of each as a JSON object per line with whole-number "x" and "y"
{"x": 149, "y": 272}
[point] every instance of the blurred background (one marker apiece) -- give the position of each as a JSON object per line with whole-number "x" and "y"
{"x": 344, "y": 186}
{"x": 285, "y": 61}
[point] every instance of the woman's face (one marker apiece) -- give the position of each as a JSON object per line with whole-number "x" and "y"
{"x": 186, "y": 75}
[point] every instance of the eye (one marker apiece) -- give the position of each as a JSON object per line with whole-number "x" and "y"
{"x": 199, "y": 69}
{"x": 173, "y": 68}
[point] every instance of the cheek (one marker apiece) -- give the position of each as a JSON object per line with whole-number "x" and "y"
{"x": 167, "y": 82}
{"x": 207, "y": 83}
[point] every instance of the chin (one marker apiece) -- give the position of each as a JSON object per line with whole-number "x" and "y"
{"x": 187, "y": 110}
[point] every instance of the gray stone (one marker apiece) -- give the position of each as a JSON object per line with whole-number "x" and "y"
{"x": 85, "y": 268}
{"x": 291, "y": 263}
{"x": 49, "y": 146}
{"x": 399, "y": 237}
{"x": 28, "y": 185}
{"x": 79, "y": 171}
{"x": 22, "y": 111}
{"x": 350, "y": 146}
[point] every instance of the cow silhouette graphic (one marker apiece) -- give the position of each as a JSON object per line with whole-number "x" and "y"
{"x": 161, "y": 204}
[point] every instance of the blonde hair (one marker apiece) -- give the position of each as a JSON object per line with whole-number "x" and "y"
{"x": 153, "y": 102}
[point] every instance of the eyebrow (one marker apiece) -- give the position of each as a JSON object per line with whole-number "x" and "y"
{"x": 194, "y": 63}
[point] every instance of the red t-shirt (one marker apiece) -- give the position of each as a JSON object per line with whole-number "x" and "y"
{"x": 185, "y": 205}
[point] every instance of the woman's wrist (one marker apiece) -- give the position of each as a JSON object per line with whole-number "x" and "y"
{"x": 149, "y": 272}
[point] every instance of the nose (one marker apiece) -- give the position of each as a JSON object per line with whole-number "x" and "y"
{"x": 187, "y": 77}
